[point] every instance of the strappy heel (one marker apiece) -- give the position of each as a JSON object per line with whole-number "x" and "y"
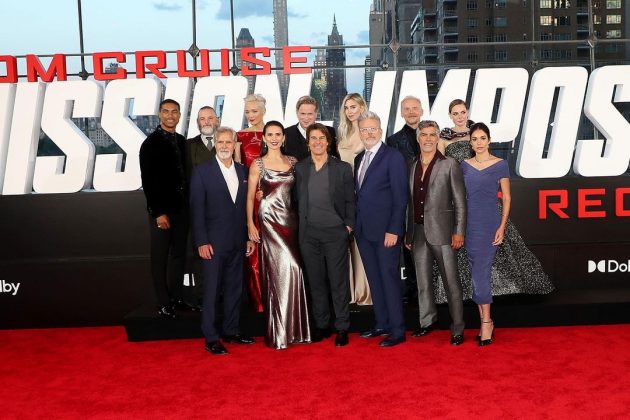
{"x": 487, "y": 341}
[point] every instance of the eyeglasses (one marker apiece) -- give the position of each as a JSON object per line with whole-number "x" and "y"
{"x": 369, "y": 129}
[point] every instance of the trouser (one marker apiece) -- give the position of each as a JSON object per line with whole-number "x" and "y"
{"x": 325, "y": 254}
{"x": 168, "y": 257}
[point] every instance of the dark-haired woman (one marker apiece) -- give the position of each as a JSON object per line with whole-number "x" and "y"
{"x": 516, "y": 269}
{"x": 284, "y": 295}
{"x": 484, "y": 175}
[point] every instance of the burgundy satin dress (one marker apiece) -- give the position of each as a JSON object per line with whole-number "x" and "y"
{"x": 250, "y": 150}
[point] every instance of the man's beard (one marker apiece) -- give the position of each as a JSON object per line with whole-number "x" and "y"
{"x": 207, "y": 130}
{"x": 224, "y": 154}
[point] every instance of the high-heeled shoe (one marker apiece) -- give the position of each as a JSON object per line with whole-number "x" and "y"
{"x": 478, "y": 336}
{"x": 487, "y": 341}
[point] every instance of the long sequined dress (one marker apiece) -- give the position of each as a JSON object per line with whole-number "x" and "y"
{"x": 250, "y": 142}
{"x": 286, "y": 313}
{"x": 359, "y": 288}
{"x": 515, "y": 269}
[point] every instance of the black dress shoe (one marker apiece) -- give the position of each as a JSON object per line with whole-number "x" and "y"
{"x": 392, "y": 341}
{"x": 376, "y": 332}
{"x": 457, "y": 339}
{"x": 238, "y": 339}
{"x": 216, "y": 347}
{"x": 422, "y": 331}
{"x": 319, "y": 334}
{"x": 166, "y": 311}
{"x": 342, "y": 338}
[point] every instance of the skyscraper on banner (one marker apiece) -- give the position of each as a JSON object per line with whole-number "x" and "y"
{"x": 281, "y": 39}
{"x": 335, "y": 73}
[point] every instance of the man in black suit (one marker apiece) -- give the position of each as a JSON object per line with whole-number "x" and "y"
{"x": 164, "y": 184}
{"x": 405, "y": 142}
{"x": 217, "y": 200}
{"x": 295, "y": 142}
{"x": 199, "y": 149}
{"x": 324, "y": 188}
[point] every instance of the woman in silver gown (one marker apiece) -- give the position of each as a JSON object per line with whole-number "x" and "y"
{"x": 284, "y": 294}
{"x": 515, "y": 269}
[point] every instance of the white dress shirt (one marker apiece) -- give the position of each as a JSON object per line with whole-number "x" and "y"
{"x": 231, "y": 179}
{"x": 302, "y": 130}
{"x": 374, "y": 150}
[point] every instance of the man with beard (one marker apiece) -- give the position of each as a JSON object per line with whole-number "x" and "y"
{"x": 217, "y": 199}
{"x": 199, "y": 149}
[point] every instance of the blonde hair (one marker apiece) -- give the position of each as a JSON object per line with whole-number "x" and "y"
{"x": 345, "y": 125}
{"x": 259, "y": 99}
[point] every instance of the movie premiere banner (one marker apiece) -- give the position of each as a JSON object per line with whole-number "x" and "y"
{"x": 74, "y": 227}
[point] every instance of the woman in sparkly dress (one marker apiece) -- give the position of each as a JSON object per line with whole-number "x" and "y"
{"x": 247, "y": 150}
{"x": 284, "y": 294}
{"x": 350, "y": 145}
{"x": 515, "y": 269}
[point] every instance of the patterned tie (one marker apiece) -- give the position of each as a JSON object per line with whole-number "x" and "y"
{"x": 210, "y": 143}
{"x": 366, "y": 163}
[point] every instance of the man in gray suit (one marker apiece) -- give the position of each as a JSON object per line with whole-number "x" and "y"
{"x": 436, "y": 222}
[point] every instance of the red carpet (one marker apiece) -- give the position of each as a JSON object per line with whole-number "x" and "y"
{"x": 566, "y": 372}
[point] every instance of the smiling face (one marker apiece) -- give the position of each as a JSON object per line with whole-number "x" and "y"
{"x": 370, "y": 132}
{"x": 224, "y": 146}
{"x": 273, "y": 137}
{"x": 479, "y": 141}
{"x": 459, "y": 115}
{"x": 207, "y": 121}
{"x": 169, "y": 117}
{"x": 306, "y": 115}
{"x": 428, "y": 139}
{"x": 253, "y": 113}
{"x": 352, "y": 109}
{"x": 318, "y": 143}
{"x": 411, "y": 111}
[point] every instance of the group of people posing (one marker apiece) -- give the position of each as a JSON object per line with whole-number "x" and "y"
{"x": 322, "y": 217}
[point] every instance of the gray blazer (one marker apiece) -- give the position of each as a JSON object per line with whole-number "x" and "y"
{"x": 445, "y": 204}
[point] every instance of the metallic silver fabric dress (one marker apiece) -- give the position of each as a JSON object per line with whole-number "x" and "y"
{"x": 284, "y": 294}
{"x": 515, "y": 269}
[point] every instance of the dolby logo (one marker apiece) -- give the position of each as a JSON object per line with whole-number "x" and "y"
{"x": 608, "y": 266}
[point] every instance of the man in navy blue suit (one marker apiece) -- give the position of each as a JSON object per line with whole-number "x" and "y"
{"x": 217, "y": 199}
{"x": 382, "y": 194}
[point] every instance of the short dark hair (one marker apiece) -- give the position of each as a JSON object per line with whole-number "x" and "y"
{"x": 207, "y": 107}
{"x": 170, "y": 101}
{"x": 273, "y": 123}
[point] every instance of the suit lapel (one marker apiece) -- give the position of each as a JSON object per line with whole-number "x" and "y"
{"x": 377, "y": 157}
{"x": 242, "y": 182}
{"x": 223, "y": 182}
{"x": 436, "y": 169}
{"x": 332, "y": 176}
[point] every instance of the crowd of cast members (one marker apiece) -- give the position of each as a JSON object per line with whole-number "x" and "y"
{"x": 310, "y": 219}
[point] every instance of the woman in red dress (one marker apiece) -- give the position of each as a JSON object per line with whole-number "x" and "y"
{"x": 247, "y": 150}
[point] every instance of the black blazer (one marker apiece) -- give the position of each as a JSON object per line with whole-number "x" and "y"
{"x": 296, "y": 145}
{"x": 197, "y": 153}
{"x": 341, "y": 187}
{"x": 405, "y": 141}
{"x": 216, "y": 219}
{"x": 162, "y": 172}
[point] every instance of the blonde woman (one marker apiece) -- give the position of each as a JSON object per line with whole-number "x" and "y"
{"x": 248, "y": 147}
{"x": 349, "y": 145}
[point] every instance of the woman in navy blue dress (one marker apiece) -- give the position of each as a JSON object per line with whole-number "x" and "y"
{"x": 484, "y": 175}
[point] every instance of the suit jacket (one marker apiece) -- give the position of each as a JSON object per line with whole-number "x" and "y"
{"x": 197, "y": 153}
{"x": 341, "y": 189}
{"x": 445, "y": 203}
{"x": 296, "y": 145}
{"x": 163, "y": 173}
{"x": 382, "y": 198}
{"x": 216, "y": 219}
{"x": 405, "y": 141}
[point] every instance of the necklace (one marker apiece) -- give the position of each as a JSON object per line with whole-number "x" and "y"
{"x": 482, "y": 161}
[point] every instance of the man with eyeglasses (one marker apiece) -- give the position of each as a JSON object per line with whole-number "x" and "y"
{"x": 382, "y": 194}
